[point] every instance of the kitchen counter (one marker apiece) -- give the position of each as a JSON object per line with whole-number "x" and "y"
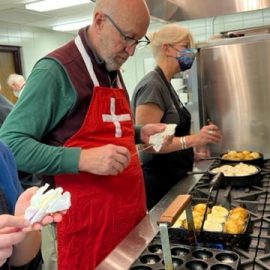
{"x": 127, "y": 251}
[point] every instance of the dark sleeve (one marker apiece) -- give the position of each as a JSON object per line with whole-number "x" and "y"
{"x": 137, "y": 134}
{"x": 4, "y": 111}
{"x": 3, "y": 205}
{"x": 9, "y": 181}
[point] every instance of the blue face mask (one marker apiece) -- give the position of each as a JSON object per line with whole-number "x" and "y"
{"x": 185, "y": 59}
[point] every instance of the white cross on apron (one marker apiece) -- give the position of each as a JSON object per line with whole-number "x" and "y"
{"x": 112, "y": 117}
{"x": 115, "y": 119}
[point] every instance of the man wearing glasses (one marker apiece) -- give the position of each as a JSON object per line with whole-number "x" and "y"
{"x": 73, "y": 124}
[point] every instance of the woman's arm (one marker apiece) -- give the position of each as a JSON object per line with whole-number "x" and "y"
{"x": 151, "y": 113}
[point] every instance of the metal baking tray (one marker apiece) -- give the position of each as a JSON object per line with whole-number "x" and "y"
{"x": 187, "y": 257}
{"x": 242, "y": 240}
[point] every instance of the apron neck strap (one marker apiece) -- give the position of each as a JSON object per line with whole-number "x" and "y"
{"x": 88, "y": 63}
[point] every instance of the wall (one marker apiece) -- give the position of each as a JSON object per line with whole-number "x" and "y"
{"x": 202, "y": 30}
{"x": 37, "y": 42}
{"x": 34, "y": 42}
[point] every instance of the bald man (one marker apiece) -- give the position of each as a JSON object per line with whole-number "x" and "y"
{"x": 74, "y": 125}
{"x": 16, "y": 83}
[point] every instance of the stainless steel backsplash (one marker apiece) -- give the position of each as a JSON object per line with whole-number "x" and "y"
{"x": 234, "y": 91}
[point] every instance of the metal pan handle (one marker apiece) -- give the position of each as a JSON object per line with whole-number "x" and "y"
{"x": 197, "y": 172}
{"x": 175, "y": 209}
{"x": 210, "y": 158}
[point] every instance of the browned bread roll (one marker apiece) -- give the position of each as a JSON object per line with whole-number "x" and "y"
{"x": 239, "y": 213}
{"x": 233, "y": 227}
{"x": 197, "y": 219}
{"x": 200, "y": 208}
{"x": 240, "y": 155}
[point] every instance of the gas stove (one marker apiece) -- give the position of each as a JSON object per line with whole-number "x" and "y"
{"x": 256, "y": 199}
{"x": 254, "y": 248}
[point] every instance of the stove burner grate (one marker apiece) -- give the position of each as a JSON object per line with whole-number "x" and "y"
{"x": 254, "y": 254}
{"x": 256, "y": 199}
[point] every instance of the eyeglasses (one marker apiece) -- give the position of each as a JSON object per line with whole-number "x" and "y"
{"x": 129, "y": 40}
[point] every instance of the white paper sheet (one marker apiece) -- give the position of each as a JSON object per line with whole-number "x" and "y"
{"x": 157, "y": 140}
{"x": 43, "y": 203}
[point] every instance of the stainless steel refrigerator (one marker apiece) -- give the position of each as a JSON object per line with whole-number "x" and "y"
{"x": 234, "y": 91}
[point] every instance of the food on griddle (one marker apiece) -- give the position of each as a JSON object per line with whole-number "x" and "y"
{"x": 239, "y": 221}
{"x": 219, "y": 211}
{"x": 240, "y": 169}
{"x": 218, "y": 219}
{"x": 232, "y": 226}
{"x": 254, "y": 155}
{"x": 236, "y": 221}
{"x": 213, "y": 217}
{"x": 178, "y": 223}
{"x": 214, "y": 221}
{"x": 200, "y": 208}
{"x": 239, "y": 213}
{"x": 197, "y": 219}
{"x": 241, "y": 155}
{"x": 182, "y": 220}
{"x": 211, "y": 226}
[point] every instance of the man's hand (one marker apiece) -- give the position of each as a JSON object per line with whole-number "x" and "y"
{"x": 151, "y": 129}
{"x": 105, "y": 160}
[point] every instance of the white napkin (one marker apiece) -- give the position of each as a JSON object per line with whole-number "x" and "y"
{"x": 50, "y": 202}
{"x": 158, "y": 139}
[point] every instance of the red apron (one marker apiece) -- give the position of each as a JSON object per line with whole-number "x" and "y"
{"x": 103, "y": 208}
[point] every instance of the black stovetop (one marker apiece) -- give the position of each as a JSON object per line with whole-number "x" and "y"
{"x": 256, "y": 199}
{"x": 255, "y": 252}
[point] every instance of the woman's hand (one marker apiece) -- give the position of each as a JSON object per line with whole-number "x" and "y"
{"x": 201, "y": 152}
{"x": 208, "y": 134}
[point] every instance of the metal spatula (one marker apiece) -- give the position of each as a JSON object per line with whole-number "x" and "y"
{"x": 167, "y": 219}
{"x": 214, "y": 184}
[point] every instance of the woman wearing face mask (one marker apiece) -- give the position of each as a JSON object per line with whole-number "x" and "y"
{"x": 155, "y": 100}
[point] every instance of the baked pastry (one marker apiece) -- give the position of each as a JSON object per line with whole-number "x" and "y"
{"x": 216, "y": 218}
{"x": 197, "y": 219}
{"x": 218, "y": 210}
{"x": 178, "y": 223}
{"x": 197, "y": 223}
{"x": 211, "y": 226}
{"x": 254, "y": 155}
{"x": 227, "y": 170}
{"x": 234, "y": 219}
{"x": 240, "y": 169}
{"x": 233, "y": 226}
{"x": 241, "y": 155}
{"x": 200, "y": 208}
{"x": 239, "y": 213}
